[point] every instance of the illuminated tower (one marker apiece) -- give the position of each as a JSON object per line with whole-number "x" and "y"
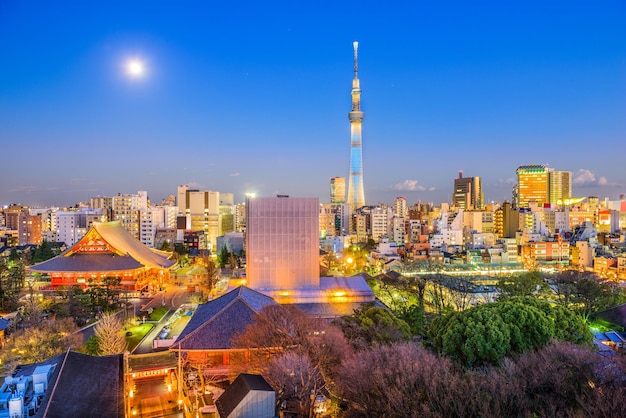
{"x": 356, "y": 195}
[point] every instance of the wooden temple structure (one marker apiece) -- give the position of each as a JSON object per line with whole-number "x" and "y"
{"x": 108, "y": 250}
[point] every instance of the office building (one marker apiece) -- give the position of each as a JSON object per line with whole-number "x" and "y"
{"x": 560, "y": 186}
{"x": 337, "y": 190}
{"x": 532, "y": 185}
{"x": 468, "y": 193}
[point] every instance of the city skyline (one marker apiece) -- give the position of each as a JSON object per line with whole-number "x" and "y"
{"x": 253, "y": 98}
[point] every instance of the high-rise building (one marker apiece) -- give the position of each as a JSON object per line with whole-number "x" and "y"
{"x": 400, "y": 208}
{"x": 560, "y": 186}
{"x": 468, "y": 193}
{"x": 541, "y": 185}
{"x": 532, "y": 185}
{"x": 282, "y": 243}
{"x": 127, "y": 208}
{"x": 337, "y": 190}
{"x": 356, "y": 193}
{"x": 506, "y": 221}
{"x": 202, "y": 210}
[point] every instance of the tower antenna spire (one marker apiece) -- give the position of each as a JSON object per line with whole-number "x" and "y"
{"x": 356, "y": 59}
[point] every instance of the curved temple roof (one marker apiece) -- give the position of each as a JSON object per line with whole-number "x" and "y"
{"x": 107, "y": 246}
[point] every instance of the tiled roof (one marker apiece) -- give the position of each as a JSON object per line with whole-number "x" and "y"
{"x": 128, "y": 253}
{"x": 214, "y": 323}
{"x": 81, "y": 386}
{"x": 238, "y": 390}
{"x": 88, "y": 262}
{"x": 118, "y": 237}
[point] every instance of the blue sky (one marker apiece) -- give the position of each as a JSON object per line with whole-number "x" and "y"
{"x": 254, "y": 96}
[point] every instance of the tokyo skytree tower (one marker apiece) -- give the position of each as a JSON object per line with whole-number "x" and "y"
{"x": 356, "y": 195}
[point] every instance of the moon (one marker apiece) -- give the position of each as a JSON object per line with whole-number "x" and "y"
{"x": 135, "y": 68}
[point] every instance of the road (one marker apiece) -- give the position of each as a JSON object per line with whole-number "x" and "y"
{"x": 172, "y": 297}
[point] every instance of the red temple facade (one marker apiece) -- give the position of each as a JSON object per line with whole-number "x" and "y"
{"x": 108, "y": 250}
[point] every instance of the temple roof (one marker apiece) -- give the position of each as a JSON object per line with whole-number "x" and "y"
{"x": 214, "y": 323}
{"x": 107, "y": 246}
{"x": 79, "y": 385}
{"x": 88, "y": 262}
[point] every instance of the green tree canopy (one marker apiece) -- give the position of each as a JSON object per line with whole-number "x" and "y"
{"x": 223, "y": 256}
{"x": 487, "y": 333}
{"x": 522, "y": 284}
{"x": 370, "y": 325}
{"x": 43, "y": 252}
{"x": 413, "y": 315}
{"x": 585, "y": 293}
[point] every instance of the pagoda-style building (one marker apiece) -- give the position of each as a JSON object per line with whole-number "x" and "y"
{"x": 108, "y": 250}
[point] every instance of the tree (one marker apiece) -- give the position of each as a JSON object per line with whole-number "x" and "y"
{"x": 284, "y": 328}
{"x": 567, "y": 325}
{"x": 31, "y": 311}
{"x": 166, "y": 246}
{"x": 12, "y": 272}
{"x": 109, "y": 335}
{"x": 564, "y": 379}
{"x": 233, "y": 261}
{"x": 486, "y": 333}
{"x": 476, "y": 335}
{"x": 329, "y": 261}
{"x": 369, "y": 325}
{"x": 413, "y": 315}
{"x": 76, "y": 304}
{"x": 222, "y": 257}
{"x": 585, "y": 294}
{"x": 103, "y": 293}
{"x": 296, "y": 379}
{"x": 298, "y": 353}
{"x": 43, "y": 252}
{"x": 210, "y": 276}
{"x": 402, "y": 380}
{"x": 36, "y": 344}
{"x": 181, "y": 254}
{"x": 522, "y": 284}
{"x": 276, "y": 327}
{"x": 437, "y": 293}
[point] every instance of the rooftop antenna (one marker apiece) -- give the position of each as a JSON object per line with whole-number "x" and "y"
{"x": 356, "y": 59}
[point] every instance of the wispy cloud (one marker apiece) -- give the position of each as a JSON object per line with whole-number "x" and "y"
{"x": 234, "y": 174}
{"x": 31, "y": 189}
{"x": 587, "y": 178}
{"x": 508, "y": 180}
{"x": 193, "y": 185}
{"x": 412, "y": 186}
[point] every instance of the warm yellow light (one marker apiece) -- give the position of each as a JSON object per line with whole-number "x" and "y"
{"x": 349, "y": 260}
{"x": 169, "y": 388}
{"x": 131, "y": 394}
{"x": 339, "y": 293}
